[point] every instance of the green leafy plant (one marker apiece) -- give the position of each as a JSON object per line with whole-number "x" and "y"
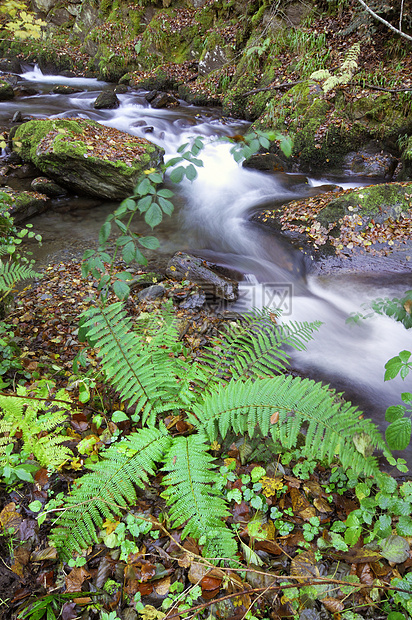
{"x": 398, "y": 433}
{"x": 15, "y": 265}
{"x": 399, "y": 309}
{"x": 230, "y": 388}
{"x": 36, "y": 416}
{"x": 344, "y": 74}
{"x": 22, "y": 24}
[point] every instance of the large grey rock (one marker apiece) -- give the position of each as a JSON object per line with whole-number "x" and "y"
{"x": 370, "y": 163}
{"x": 107, "y": 100}
{"x": 213, "y": 59}
{"x": 44, "y": 5}
{"x": 184, "y": 266}
{"x": 85, "y": 157}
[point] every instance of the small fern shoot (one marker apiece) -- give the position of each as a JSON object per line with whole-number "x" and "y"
{"x": 38, "y": 421}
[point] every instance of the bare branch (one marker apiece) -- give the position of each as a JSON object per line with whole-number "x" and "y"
{"x": 403, "y": 34}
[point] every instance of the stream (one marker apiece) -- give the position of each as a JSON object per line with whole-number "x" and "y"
{"x": 211, "y": 219}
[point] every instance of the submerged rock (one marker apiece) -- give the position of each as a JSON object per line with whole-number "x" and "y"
{"x": 85, "y": 157}
{"x": 184, "y": 266}
{"x": 6, "y": 91}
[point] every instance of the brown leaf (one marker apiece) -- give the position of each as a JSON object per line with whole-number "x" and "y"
{"x": 304, "y": 565}
{"x": 76, "y": 578}
{"x": 333, "y": 605}
{"x": 322, "y": 505}
{"x": 162, "y": 586}
{"x": 274, "y": 418}
{"x": 49, "y": 553}
{"x": 10, "y": 519}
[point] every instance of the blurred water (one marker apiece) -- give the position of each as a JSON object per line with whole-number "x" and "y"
{"x": 212, "y": 220}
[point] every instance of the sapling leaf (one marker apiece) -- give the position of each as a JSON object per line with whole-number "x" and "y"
{"x": 166, "y": 205}
{"x": 191, "y": 172}
{"x": 177, "y": 174}
{"x": 126, "y": 205}
{"x": 129, "y": 252}
{"x": 151, "y": 243}
{"x": 398, "y": 434}
{"x": 394, "y": 413}
{"x": 121, "y": 289}
{"x": 155, "y": 177}
{"x": 104, "y": 233}
{"x": 145, "y": 187}
{"x": 153, "y": 215}
{"x": 395, "y": 549}
{"x": 144, "y": 203}
{"x": 406, "y": 397}
{"x": 165, "y": 193}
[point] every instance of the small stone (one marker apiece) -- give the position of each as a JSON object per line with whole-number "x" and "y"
{"x": 47, "y": 186}
{"x": 152, "y": 292}
{"x": 17, "y": 117}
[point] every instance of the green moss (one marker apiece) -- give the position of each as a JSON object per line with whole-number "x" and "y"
{"x": 376, "y": 201}
{"x": 6, "y": 91}
{"x": 28, "y": 135}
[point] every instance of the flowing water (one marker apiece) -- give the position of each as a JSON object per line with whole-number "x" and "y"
{"x": 212, "y": 220}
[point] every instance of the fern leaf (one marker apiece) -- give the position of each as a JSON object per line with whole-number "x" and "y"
{"x": 254, "y": 348}
{"x": 192, "y": 497}
{"x": 108, "y": 489}
{"x": 13, "y": 272}
{"x": 322, "y": 74}
{"x": 299, "y": 406}
{"x": 19, "y": 414}
{"x": 137, "y": 365}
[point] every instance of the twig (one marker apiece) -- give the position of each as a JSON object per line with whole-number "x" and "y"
{"x": 376, "y": 16}
{"x": 386, "y": 90}
{"x": 273, "y": 87}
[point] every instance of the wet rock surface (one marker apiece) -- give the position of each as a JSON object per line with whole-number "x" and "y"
{"x": 184, "y": 266}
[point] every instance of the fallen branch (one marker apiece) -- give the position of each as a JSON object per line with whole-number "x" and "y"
{"x": 273, "y": 87}
{"x": 386, "y": 90}
{"x": 376, "y": 16}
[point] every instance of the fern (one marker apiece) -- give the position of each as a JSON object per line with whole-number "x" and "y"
{"x": 254, "y": 347}
{"x": 192, "y": 497}
{"x": 286, "y": 408}
{"x": 109, "y": 489}
{"x": 13, "y": 272}
{"x": 140, "y": 368}
{"x": 37, "y": 421}
{"x": 230, "y": 388}
{"x": 345, "y": 72}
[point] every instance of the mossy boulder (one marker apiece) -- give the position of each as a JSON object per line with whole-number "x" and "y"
{"x": 6, "y": 91}
{"x": 21, "y": 205}
{"x": 85, "y": 157}
{"x": 370, "y": 226}
{"x": 377, "y": 202}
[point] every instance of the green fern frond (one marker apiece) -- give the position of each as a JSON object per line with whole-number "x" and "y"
{"x": 288, "y": 407}
{"x": 138, "y": 365}
{"x": 192, "y": 497}
{"x": 108, "y": 489}
{"x": 254, "y": 348}
{"x": 33, "y": 417}
{"x": 13, "y": 272}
